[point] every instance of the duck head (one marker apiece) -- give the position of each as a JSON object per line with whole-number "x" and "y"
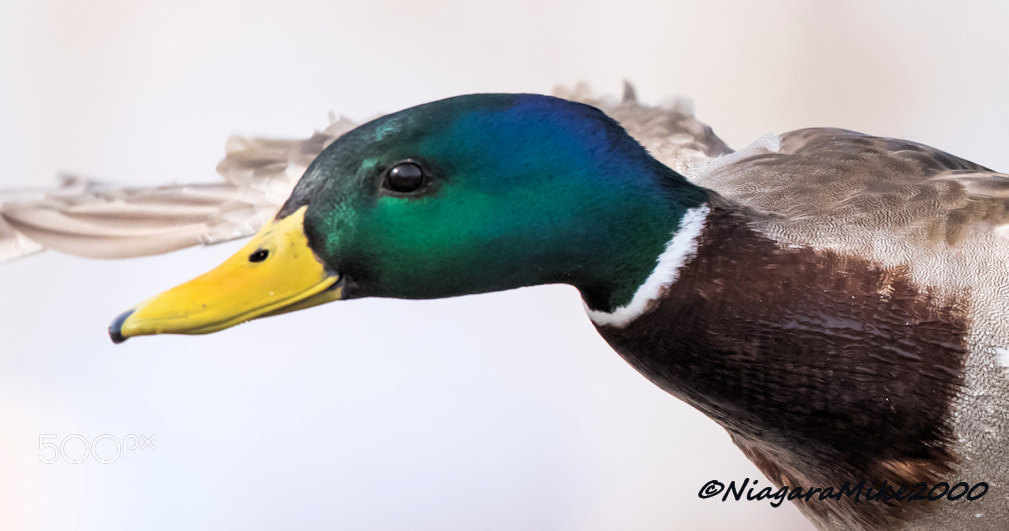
{"x": 465, "y": 195}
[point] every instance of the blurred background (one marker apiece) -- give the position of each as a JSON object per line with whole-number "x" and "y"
{"x": 502, "y": 411}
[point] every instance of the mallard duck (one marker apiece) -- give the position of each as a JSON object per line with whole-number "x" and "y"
{"x": 831, "y": 299}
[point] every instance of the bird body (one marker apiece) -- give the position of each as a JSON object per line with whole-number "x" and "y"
{"x": 834, "y": 300}
{"x": 853, "y": 281}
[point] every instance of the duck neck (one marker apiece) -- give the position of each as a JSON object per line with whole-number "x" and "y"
{"x": 639, "y": 243}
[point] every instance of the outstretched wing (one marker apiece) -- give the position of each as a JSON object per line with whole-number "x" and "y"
{"x": 96, "y": 220}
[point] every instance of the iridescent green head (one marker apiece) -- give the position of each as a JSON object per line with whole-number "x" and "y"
{"x": 478, "y": 193}
{"x": 513, "y": 190}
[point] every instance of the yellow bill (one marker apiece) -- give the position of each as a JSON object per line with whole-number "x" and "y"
{"x": 276, "y": 272}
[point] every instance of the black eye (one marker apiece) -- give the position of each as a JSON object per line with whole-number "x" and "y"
{"x": 259, "y": 255}
{"x": 404, "y": 178}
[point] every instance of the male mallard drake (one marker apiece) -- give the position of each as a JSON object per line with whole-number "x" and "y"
{"x": 819, "y": 294}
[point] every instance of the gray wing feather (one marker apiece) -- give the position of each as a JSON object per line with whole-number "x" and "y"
{"x": 120, "y": 223}
{"x": 94, "y": 220}
{"x": 827, "y": 179}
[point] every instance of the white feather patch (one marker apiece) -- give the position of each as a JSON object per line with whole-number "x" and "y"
{"x": 769, "y": 143}
{"x": 1002, "y": 356}
{"x": 680, "y": 248}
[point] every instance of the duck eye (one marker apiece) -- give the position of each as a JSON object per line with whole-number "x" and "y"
{"x": 404, "y": 178}
{"x": 259, "y": 255}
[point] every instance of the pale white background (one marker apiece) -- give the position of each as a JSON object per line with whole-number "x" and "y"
{"x": 502, "y": 411}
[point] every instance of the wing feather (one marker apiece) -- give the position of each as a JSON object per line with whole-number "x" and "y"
{"x": 824, "y": 181}
{"x": 95, "y": 220}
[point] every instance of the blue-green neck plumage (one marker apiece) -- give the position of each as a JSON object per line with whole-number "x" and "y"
{"x": 521, "y": 190}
